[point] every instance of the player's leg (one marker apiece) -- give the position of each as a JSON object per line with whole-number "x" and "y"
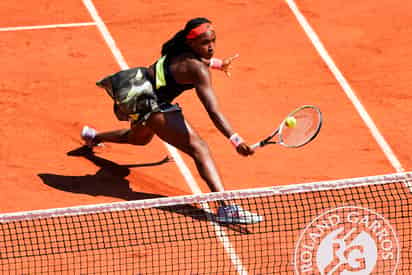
{"x": 175, "y": 130}
{"x": 137, "y": 134}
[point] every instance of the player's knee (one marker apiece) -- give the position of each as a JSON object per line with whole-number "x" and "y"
{"x": 198, "y": 147}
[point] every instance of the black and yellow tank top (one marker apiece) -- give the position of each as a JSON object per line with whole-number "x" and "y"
{"x": 166, "y": 87}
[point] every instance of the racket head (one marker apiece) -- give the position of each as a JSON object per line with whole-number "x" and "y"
{"x": 308, "y": 124}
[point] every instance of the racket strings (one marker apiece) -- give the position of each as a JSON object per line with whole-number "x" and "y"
{"x": 308, "y": 123}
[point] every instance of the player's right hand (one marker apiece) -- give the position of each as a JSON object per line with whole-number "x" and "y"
{"x": 244, "y": 149}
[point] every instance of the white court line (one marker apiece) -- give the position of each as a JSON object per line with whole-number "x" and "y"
{"x": 69, "y": 25}
{"x": 173, "y": 151}
{"x": 346, "y": 87}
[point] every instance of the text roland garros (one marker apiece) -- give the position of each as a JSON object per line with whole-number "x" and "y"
{"x": 348, "y": 240}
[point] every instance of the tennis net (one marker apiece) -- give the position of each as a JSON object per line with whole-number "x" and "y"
{"x": 351, "y": 226}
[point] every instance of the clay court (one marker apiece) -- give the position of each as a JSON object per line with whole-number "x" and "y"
{"x": 53, "y": 53}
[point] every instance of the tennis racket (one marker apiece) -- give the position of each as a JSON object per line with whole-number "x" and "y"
{"x": 308, "y": 123}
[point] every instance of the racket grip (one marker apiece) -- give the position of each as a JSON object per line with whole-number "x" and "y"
{"x": 255, "y": 146}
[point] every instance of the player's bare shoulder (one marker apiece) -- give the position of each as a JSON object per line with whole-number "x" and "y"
{"x": 188, "y": 69}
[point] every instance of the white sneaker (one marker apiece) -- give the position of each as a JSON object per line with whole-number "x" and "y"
{"x": 88, "y": 134}
{"x": 236, "y": 214}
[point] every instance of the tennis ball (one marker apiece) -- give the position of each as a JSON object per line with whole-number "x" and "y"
{"x": 290, "y": 122}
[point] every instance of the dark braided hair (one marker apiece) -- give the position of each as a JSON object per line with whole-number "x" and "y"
{"x": 176, "y": 45}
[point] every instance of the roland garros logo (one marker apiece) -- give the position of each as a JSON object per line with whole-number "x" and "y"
{"x": 347, "y": 240}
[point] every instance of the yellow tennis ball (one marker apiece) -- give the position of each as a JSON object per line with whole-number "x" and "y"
{"x": 290, "y": 122}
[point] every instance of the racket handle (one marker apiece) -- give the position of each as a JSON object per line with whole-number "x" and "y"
{"x": 255, "y": 146}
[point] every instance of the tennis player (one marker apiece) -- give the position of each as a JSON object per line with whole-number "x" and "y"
{"x": 144, "y": 97}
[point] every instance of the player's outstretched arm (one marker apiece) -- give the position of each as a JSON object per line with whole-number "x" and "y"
{"x": 224, "y": 65}
{"x": 207, "y": 96}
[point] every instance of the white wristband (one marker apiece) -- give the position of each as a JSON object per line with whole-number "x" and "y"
{"x": 216, "y": 63}
{"x": 236, "y": 140}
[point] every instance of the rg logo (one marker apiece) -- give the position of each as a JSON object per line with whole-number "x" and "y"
{"x": 347, "y": 241}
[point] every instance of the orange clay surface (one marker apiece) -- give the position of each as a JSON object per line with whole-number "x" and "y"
{"x": 48, "y": 93}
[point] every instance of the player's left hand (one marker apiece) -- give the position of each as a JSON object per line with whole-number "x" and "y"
{"x": 227, "y": 64}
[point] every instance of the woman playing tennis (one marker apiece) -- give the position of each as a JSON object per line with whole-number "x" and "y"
{"x": 144, "y": 95}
